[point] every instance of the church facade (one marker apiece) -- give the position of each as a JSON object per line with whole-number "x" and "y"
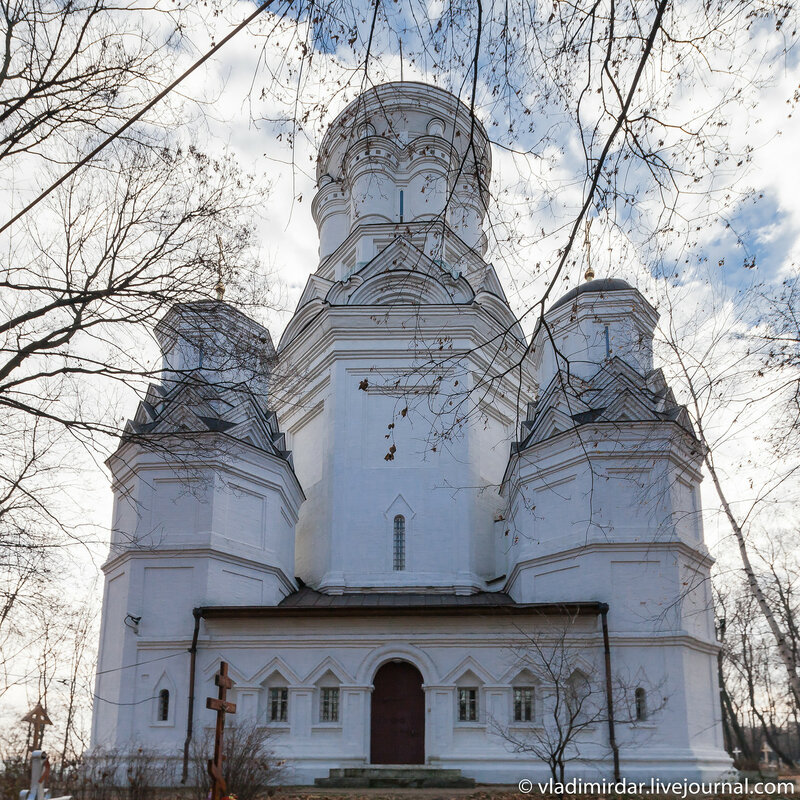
{"x": 415, "y": 536}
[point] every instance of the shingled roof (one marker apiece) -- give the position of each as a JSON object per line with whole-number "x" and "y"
{"x": 309, "y": 602}
{"x": 616, "y": 394}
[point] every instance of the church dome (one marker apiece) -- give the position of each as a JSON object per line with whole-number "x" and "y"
{"x": 597, "y": 286}
{"x": 402, "y": 153}
{"x": 400, "y": 112}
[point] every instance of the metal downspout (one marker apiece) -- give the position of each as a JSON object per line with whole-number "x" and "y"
{"x": 190, "y": 715}
{"x": 612, "y": 737}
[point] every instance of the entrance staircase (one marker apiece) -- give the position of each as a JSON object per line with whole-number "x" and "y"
{"x": 390, "y": 776}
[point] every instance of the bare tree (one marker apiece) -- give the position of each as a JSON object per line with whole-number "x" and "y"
{"x": 68, "y": 69}
{"x": 145, "y": 225}
{"x": 719, "y": 366}
{"x": 757, "y": 705}
{"x": 781, "y": 350}
{"x": 250, "y": 766}
{"x": 559, "y": 718}
{"x": 80, "y": 640}
{"x": 136, "y": 230}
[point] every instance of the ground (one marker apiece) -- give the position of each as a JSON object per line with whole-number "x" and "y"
{"x": 482, "y": 793}
{"x": 479, "y": 793}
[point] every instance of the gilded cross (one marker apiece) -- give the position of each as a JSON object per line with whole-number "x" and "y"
{"x": 221, "y": 705}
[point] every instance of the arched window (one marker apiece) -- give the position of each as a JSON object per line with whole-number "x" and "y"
{"x": 640, "y": 699}
{"x": 399, "y": 543}
{"x": 163, "y": 705}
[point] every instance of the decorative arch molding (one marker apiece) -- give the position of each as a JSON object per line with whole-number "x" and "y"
{"x": 399, "y": 506}
{"x": 328, "y": 664}
{"x": 403, "y": 652}
{"x": 234, "y": 672}
{"x": 164, "y": 682}
{"x": 409, "y": 287}
{"x": 498, "y": 308}
{"x": 522, "y": 674}
{"x": 384, "y": 151}
{"x": 302, "y": 318}
{"x": 424, "y": 144}
{"x": 401, "y": 273}
{"x": 375, "y": 149}
{"x": 277, "y": 664}
{"x": 579, "y": 675}
{"x": 581, "y": 665}
{"x": 469, "y": 664}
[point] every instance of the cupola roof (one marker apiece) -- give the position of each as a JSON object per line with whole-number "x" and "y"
{"x": 597, "y": 286}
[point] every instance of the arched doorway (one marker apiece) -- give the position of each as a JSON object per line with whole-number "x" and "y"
{"x": 397, "y": 734}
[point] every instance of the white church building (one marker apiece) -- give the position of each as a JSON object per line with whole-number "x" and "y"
{"x": 416, "y": 537}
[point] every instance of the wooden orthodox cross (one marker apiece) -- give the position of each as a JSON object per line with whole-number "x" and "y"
{"x": 221, "y": 705}
{"x": 37, "y": 719}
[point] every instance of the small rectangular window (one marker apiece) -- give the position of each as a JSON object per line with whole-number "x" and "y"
{"x": 523, "y": 704}
{"x": 399, "y": 543}
{"x": 278, "y": 704}
{"x": 468, "y": 705}
{"x": 329, "y": 704}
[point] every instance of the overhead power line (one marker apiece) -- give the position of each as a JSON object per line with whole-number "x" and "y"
{"x": 137, "y": 116}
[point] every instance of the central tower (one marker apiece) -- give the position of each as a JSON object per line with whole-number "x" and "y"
{"x": 400, "y": 438}
{"x": 401, "y": 154}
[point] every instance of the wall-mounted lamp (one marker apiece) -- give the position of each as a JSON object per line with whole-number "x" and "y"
{"x": 132, "y": 622}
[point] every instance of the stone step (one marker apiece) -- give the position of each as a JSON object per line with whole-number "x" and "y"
{"x": 395, "y": 776}
{"x": 392, "y": 770}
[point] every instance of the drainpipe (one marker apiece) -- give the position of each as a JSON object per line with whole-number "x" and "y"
{"x": 190, "y": 715}
{"x": 612, "y": 738}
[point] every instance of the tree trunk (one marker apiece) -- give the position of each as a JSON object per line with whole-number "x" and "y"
{"x": 775, "y": 745}
{"x": 729, "y": 717}
{"x": 780, "y": 638}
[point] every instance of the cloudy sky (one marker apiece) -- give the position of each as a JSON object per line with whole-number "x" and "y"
{"x": 762, "y": 130}
{"x": 744, "y": 206}
{"x": 744, "y": 209}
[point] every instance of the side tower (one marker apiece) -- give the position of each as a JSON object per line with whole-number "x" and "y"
{"x": 205, "y": 504}
{"x": 397, "y": 392}
{"x": 603, "y": 502}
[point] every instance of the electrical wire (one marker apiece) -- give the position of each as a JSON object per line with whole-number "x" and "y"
{"x": 142, "y": 663}
{"x": 105, "y": 671}
{"x": 115, "y": 703}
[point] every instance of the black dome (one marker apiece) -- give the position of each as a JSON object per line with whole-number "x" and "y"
{"x": 595, "y": 286}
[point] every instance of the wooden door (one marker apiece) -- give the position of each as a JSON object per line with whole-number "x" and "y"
{"x": 397, "y": 733}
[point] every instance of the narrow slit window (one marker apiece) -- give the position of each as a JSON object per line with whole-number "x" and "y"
{"x": 401, "y": 205}
{"x": 640, "y": 699}
{"x": 278, "y": 704}
{"x": 399, "y": 543}
{"x": 329, "y": 704}
{"x": 163, "y": 705}
{"x": 468, "y": 705}
{"x": 523, "y": 704}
